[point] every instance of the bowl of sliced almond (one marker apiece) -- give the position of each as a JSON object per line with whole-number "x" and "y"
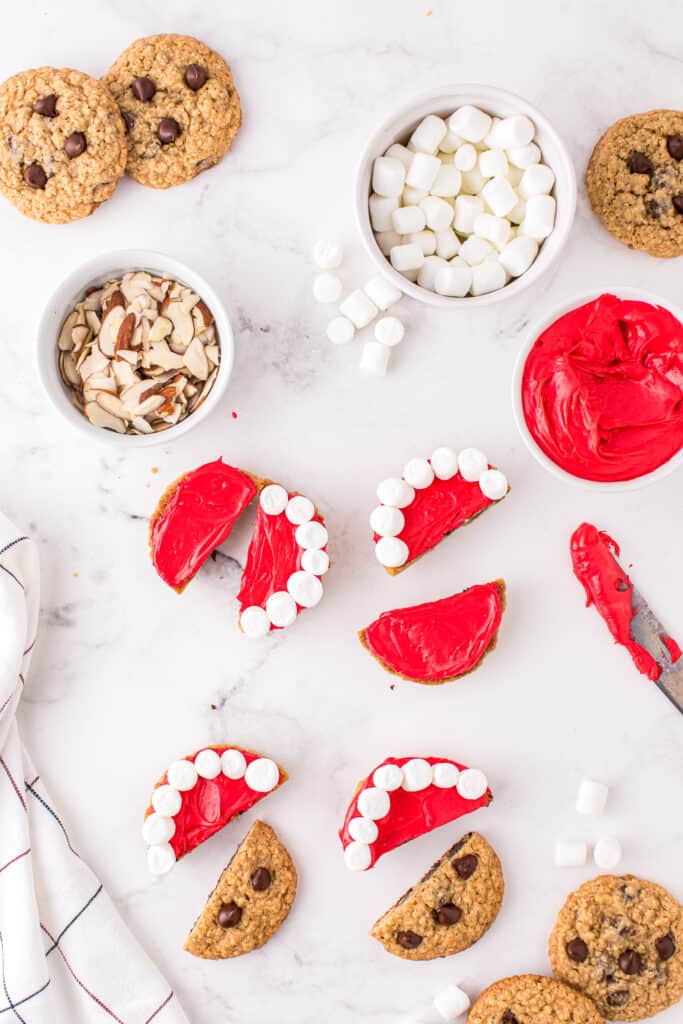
{"x": 135, "y": 348}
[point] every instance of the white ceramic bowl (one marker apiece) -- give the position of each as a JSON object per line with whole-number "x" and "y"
{"x": 400, "y": 125}
{"x": 97, "y": 271}
{"x": 535, "y": 330}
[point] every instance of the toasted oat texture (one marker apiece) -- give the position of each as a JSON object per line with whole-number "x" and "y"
{"x": 620, "y": 940}
{"x": 33, "y": 144}
{"x": 207, "y": 116}
{"x": 253, "y": 897}
{"x": 532, "y": 999}
{"x": 450, "y": 908}
{"x": 635, "y": 181}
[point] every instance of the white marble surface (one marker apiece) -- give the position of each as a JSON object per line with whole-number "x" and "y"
{"x": 127, "y": 676}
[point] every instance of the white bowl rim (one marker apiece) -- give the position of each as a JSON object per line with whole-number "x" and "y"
{"x": 469, "y": 92}
{"x": 93, "y": 269}
{"x": 532, "y": 333}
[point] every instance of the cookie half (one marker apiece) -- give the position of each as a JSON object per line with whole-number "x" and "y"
{"x": 63, "y": 146}
{"x": 252, "y": 899}
{"x": 450, "y": 908}
{"x": 180, "y": 106}
{"x": 532, "y": 999}
{"x": 619, "y": 939}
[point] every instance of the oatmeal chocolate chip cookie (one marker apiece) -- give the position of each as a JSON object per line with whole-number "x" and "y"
{"x": 450, "y": 908}
{"x": 63, "y": 144}
{"x": 252, "y": 899}
{"x": 180, "y": 107}
{"x": 635, "y": 181}
{"x": 532, "y": 999}
{"x": 620, "y": 940}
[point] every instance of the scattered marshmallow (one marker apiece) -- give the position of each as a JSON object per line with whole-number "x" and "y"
{"x": 382, "y": 292}
{"x": 360, "y": 309}
{"x": 428, "y": 135}
{"x": 408, "y": 219}
{"x": 488, "y": 276}
{"x": 374, "y": 359}
{"x": 539, "y": 217}
{"x": 455, "y": 279}
{"x": 451, "y": 1002}
{"x": 327, "y": 254}
{"x": 381, "y": 209}
{"x": 571, "y": 853}
{"x": 405, "y": 257}
{"x": 388, "y": 176}
{"x": 327, "y": 287}
{"x": 470, "y": 123}
{"x": 389, "y": 331}
{"x": 340, "y": 330}
{"x": 518, "y": 255}
{"x": 607, "y": 853}
{"x": 591, "y": 797}
{"x": 423, "y": 171}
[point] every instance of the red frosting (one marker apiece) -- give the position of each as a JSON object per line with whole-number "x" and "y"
{"x": 197, "y": 518}
{"x": 211, "y": 804}
{"x": 412, "y": 814}
{"x": 602, "y": 389}
{"x": 438, "y": 640}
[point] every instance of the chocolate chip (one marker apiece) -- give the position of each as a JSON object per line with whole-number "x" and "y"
{"x": 638, "y": 163}
{"x": 577, "y": 950}
{"x": 666, "y": 947}
{"x": 35, "y": 176}
{"x": 448, "y": 913}
{"x": 678, "y": 203}
{"x": 674, "y": 143}
{"x": 261, "y": 879}
{"x": 75, "y": 145}
{"x": 509, "y": 1018}
{"x": 169, "y": 130}
{"x": 621, "y": 584}
{"x": 630, "y": 962}
{"x": 229, "y": 915}
{"x": 618, "y": 998}
{"x": 143, "y": 89}
{"x": 128, "y": 120}
{"x": 408, "y": 940}
{"x": 653, "y": 207}
{"x": 195, "y": 76}
{"x": 466, "y": 866}
{"x": 47, "y": 106}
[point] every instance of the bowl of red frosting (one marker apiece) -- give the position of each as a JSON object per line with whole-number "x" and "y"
{"x": 598, "y": 389}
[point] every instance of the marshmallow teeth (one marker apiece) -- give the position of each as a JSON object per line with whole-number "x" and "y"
{"x": 286, "y": 560}
{"x": 199, "y": 795}
{"x": 404, "y": 798}
{"x": 434, "y": 496}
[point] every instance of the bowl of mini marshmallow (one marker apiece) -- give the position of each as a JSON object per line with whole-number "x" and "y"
{"x": 465, "y": 196}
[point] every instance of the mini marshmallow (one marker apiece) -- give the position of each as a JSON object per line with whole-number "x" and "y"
{"x": 396, "y": 492}
{"x": 539, "y": 217}
{"x": 388, "y": 176}
{"x": 446, "y": 775}
{"x": 373, "y": 803}
{"x": 357, "y": 856}
{"x": 472, "y": 784}
{"x": 472, "y": 463}
{"x": 388, "y": 777}
{"x": 311, "y": 535}
{"x": 418, "y": 473}
{"x": 537, "y": 180}
{"x": 455, "y": 279}
{"x": 417, "y": 775}
{"x": 514, "y": 176}
{"x": 447, "y": 244}
{"x": 449, "y": 143}
{"x": 160, "y": 858}
{"x": 208, "y": 764}
{"x": 426, "y": 277}
{"x": 413, "y": 196}
{"x": 182, "y": 775}
{"x": 517, "y": 213}
{"x": 444, "y": 462}
{"x": 470, "y": 123}
{"x": 402, "y": 153}
{"x": 406, "y": 257}
{"x": 607, "y": 853}
{"x": 428, "y": 135}
{"x": 591, "y": 797}
{"x": 340, "y": 330}
{"x": 524, "y": 156}
{"x": 499, "y": 195}
{"x": 381, "y": 209}
{"x": 391, "y": 552}
{"x": 438, "y": 213}
{"x": 262, "y": 775}
{"x": 233, "y": 764}
{"x": 374, "y": 359}
{"x": 488, "y": 276}
{"x": 451, "y": 1002}
{"x": 386, "y": 240}
{"x": 157, "y": 829}
{"x": 327, "y": 287}
{"x": 281, "y": 609}
{"x": 166, "y": 801}
{"x": 447, "y": 181}
{"x": 328, "y": 254}
{"x": 518, "y": 255}
{"x": 359, "y": 309}
{"x": 299, "y": 510}
{"x": 467, "y": 209}
{"x": 408, "y": 219}
{"x": 386, "y": 521}
{"x": 317, "y": 562}
{"x": 515, "y": 131}
{"x": 422, "y": 171}
{"x": 273, "y": 499}
{"x": 426, "y": 240}
{"x": 382, "y": 292}
{"x": 305, "y": 588}
{"x": 493, "y": 163}
{"x": 465, "y": 158}
{"x": 493, "y": 229}
{"x": 474, "y": 250}
{"x": 389, "y": 331}
{"x": 490, "y": 141}
{"x": 570, "y": 853}
{"x": 363, "y": 830}
{"x": 493, "y": 483}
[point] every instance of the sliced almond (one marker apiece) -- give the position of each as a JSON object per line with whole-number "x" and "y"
{"x": 190, "y": 390}
{"x": 161, "y": 355}
{"x": 160, "y": 329}
{"x": 111, "y": 323}
{"x": 213, "y": 354}
{"x": 67, "y": 366}
{"x": 131, "y": 357}
{"x": 148, "y": 405}
{"x": 195, "y": 360}
{"x": 113, "y": 404}
{"x": 93, "y": 301}
{"x": 101, "y": 382}
{"x": 124, "y": 374}
{"x": 194, "y": 405}
{"x": 114, "y": 299}
{"x": 201, "y": 314}
{"x": 188, "y": 299}
{"x": 135, "y": 284}
{"x": 80, "y": 336}
{"x": 92, "y": 320}
{"x": 142, "y": 426}
{"x": 99, "y": 417}
{"x": 125, "y": 333}
{"x": 96, "y": 362}
{"x": 65, "y": 340}
{"x": 183, "y": 328}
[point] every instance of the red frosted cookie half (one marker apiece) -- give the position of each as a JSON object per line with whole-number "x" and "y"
{"x": 403, "y": 798}
{"x": 199, "y": 795}
{"x": 432, "y": 498}
{"x": 439, "y": 640}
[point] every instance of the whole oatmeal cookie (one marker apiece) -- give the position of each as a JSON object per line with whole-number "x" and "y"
{"x": 253, "y": 897}
{"x": 532, "y": 999}
{"x": 635, "y": 181}
{"x": 450, "y": 908}
{"x": 63, "y": 145}
{"x": 620, "y": 940}
{"x": 180, "y": 106}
